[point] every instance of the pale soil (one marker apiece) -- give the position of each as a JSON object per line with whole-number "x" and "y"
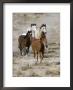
{"x": 26, "y": 66}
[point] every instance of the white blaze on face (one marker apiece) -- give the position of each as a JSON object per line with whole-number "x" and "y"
{"x": 37, "y": 34}
{"x": 44, "y": 29}
{"x": 33, "y": 28}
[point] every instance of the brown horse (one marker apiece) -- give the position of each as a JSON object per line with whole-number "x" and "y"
{"x": 25, "y": 42}
{"x": 38, "y": 46}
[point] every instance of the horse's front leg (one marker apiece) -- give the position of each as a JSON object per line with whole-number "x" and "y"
{"x": 27, "y": 50}
{"x": 34, "y": 54}
{"x": 24, "y": 51}
{"x": 41, "y": 56}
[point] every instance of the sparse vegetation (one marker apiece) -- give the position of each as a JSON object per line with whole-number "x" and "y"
{"x": 23, "y": 68}
{"x": 47, "y": 63}
{"x": 19, "y": 73}
{"x": 53, "y": 73}
{"x": 34, "y": 75}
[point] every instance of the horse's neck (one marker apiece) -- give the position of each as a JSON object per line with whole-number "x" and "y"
{"x": 41, "y": 39}
{"x": 26, "y": 36}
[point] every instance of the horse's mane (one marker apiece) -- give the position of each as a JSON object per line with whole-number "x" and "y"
{"x": 27, "y": 34}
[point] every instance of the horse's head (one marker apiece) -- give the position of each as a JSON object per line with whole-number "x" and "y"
{"x": 33, "y": 27}
{"x": 29, "y": 34}
{"x": 43, "y": 39}
{"x": 43, "y": 28}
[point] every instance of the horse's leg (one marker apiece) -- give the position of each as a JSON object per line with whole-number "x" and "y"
{"x": 24, "y": 49}
{"x": 34, "y": 54}
{"x": 19, "y": 46}
{"x": 21, "y": 52}
{"x": 42, "y": 54}
{"x": 37, "y": 56}
{"x": 27, "y": 50}
{"x": 40, "y": 57}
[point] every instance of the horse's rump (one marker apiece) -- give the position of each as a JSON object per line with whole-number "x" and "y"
{"x": 22, "y": 41}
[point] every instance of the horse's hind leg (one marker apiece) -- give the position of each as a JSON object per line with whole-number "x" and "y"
{"x": 24, "y": 51}
{"x": 19, "y": 46}
{"x": 40, "y": 57}
{"x": 34, "y": 54}
{"x": 21, "y": 52}
{"x": 42, "y": 54}
{"x": 37, "y": 56}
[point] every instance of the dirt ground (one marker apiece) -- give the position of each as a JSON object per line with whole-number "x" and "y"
{"x": 25, "y": 66}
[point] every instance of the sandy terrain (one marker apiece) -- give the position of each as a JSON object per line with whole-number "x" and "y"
{"x": 25, "y": 66}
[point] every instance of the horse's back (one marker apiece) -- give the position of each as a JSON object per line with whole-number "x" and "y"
{"x": 20, "y": 37}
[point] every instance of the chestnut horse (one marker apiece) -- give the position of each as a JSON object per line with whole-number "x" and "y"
{"x": 38, "y": 46}
{"x": 25, "y": 42}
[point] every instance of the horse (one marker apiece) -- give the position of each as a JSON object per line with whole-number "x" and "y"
{"x": 38, "y": 46}
{"x": 24, "y": 43}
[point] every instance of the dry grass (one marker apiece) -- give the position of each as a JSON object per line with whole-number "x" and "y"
{"x": 25, "y": 66}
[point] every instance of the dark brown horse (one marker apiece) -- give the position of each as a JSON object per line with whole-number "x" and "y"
{"x": 24, "y": 42}
{"x": 38, "y": 46}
